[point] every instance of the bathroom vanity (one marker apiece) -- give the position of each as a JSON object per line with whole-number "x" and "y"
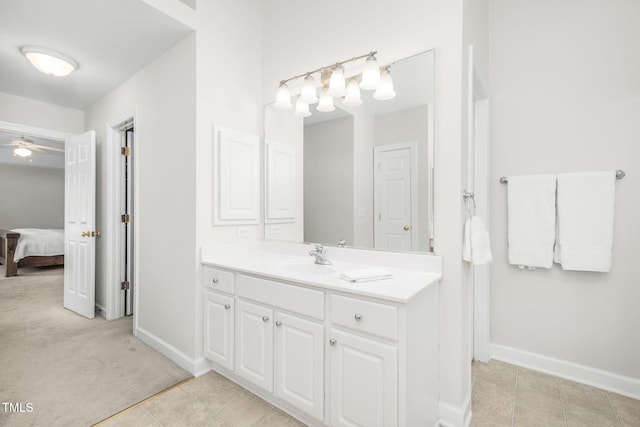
{"x": 325, "y": 350}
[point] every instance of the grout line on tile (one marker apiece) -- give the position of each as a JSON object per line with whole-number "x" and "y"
{"x": 151, "y": 416}
{"x": 613, "y": 407}
{"x": 564, "y": 412}
{"x": 515, "y": 395}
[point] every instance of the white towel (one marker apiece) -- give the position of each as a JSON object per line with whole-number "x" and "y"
{"x": 477, "y": 246}
{"x": 531, "y": 203}
{"x": 365, "y": 275}
{"x": 585, "y": 220}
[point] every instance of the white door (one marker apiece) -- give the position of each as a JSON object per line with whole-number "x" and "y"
{"x": 218, "y": 329}
{"x": 254, "y": 344}
{"x": 79, "y": 224}
{"x": 364, "y": 381}
{"x": 300, "y": 363}
{"x": 395, "y": 202}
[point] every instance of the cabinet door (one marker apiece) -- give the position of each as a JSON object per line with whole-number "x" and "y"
{"x": 300, "y": 363}
{"x": 218, "y": 329}
{"x": 254, "y": 344}
{"x": 364, "y": 381}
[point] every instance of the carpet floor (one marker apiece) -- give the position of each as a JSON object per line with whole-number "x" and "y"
{"x": 60, "y": 369}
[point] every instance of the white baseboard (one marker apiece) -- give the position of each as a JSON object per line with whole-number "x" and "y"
{"x": 620, "y": 384}
{"x": 193, "y": 366}
{"x": 452, "y": 416}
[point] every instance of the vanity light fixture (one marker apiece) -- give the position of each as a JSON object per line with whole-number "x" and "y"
{"x": 49, "y": 61}
{"x": 326, "y": 101}
{"x": 385, "y": 89}
{"x": 336, "y": 82}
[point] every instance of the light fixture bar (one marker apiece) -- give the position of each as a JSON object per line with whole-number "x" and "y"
{"x": 346, "y": 61}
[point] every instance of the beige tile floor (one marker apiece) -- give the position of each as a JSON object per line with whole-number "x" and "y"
{"x": 508, "y": 395}
{"x": 503, "y": 395}
{"x": 209, "y": 400}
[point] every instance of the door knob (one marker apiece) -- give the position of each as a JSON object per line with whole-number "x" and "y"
{"x": 406, "y": 228}
{"x": 86, "y": 234}
{"x": 95, "y": 234}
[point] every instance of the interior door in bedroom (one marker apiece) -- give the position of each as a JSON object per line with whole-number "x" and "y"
{"x": 79, "y": 224}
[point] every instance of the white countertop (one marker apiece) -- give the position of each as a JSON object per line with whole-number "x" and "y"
{"x": 272, "y": 261}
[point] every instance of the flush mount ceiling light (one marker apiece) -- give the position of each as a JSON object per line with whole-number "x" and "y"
{"x": 333, "y": 81}
{"x": 49, "y": 61}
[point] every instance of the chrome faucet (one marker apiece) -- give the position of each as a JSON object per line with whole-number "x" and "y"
{"x": 320, "y": 253}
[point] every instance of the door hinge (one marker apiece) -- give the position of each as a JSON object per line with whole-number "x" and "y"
{"x": 125, "y": 285}
{"x": 125, "y": 151}
{"x": 126, "y": 218}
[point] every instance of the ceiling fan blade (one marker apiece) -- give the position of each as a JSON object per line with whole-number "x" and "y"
{"x": 36, "y": 149}
{"x": 10, "y": 144}
{"x": 44, "y": 147}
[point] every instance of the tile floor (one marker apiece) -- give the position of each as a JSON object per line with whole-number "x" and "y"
{"x": 503, "y": 395}
{"x": 508, "y": 395}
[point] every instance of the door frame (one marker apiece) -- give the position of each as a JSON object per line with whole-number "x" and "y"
{"x": 114, "y": 304}
{"x": 478, "y": 176}
{"x": 413, "y": 147}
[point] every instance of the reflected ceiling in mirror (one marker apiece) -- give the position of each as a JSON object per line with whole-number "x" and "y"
{"x": 359, "y": 175}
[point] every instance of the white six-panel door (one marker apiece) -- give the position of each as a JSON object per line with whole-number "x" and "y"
{"x": 395, "y": 196}
{"x": 80, "y": 228}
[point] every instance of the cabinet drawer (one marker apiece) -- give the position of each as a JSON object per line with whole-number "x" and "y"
{"x": 365, "y": 316}
{"x": 297, "y": 299}
{"x": 220, "y": 280}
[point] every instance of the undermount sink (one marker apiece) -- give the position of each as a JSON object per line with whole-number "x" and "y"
{"x": 305, "y": 269}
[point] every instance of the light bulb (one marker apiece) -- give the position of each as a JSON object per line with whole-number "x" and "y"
{"x": 308, "y": 92}
{"x": 371, "y": 74}
{"x": 337, "y": 82}
{"x": 326, "y": 101}
{"x": 283, "y": 98}
{"x": 22, "y": 152}
{"x": 385, "y": 90}
{"x": 302, "y": 109}
{"x": 352, "y": 98}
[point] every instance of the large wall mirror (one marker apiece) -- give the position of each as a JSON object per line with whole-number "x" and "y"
{"x": 357, "y": 176}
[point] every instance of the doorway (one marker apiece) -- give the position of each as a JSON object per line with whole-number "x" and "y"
{"x": 121, "y": 272}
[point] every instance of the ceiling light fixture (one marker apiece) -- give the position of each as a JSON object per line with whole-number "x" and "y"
{"x": 22, "y": 152}
{"x": 337, "y": 82}
{"x": 49, "y": 61}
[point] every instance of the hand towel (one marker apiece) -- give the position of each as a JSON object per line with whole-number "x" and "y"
{"x": 477, "y": 246}
{"x": 585, "y": 220}
{"x": 531, "y": 204}
{"x": 365, "y": 275}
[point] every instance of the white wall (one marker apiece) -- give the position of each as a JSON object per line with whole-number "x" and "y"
{"x": 328, "y": 181}
{"x": 31, "y": 197}
{"x": 566, "y": 97}
{"x": 26, "y": 111}
{"x": 163, "y": 95}
{"x": 397, "y": 30}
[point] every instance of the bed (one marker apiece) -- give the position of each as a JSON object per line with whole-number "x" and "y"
{"x": 30, "y": 247}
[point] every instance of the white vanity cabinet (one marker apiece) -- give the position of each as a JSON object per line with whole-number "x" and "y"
{"x": 218, "y": 315}
{"x": 328, "y": 356}
{"x": 280, "y": 341}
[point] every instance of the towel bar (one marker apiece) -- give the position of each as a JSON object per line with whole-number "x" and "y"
{"x": 619, "y": 175}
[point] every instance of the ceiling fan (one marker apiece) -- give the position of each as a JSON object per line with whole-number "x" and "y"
{"x": 24, "y": 147}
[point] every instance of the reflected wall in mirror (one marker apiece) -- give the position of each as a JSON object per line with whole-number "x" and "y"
{"x": 362, "y": 175}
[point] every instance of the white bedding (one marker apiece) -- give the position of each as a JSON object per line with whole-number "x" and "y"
{"x": 39, "y": 242}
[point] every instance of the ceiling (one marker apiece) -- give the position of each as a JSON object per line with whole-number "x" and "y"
{"x": 110, "y": 39}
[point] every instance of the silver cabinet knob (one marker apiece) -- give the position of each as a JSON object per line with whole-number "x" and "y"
{"x": 227, "y": 306}
{"x": 265, "y": 319}
{"x": 358, "y": 317}
{"x": 215, "y": 280}
{"x": 333, "y": 341}
{"x": 278, "y": 323}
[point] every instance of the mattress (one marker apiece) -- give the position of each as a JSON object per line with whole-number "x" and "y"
{"x": 39, "y": 242}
